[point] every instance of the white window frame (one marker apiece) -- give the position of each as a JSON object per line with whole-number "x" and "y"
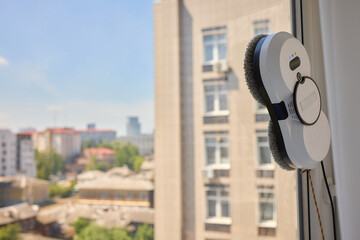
{"x": 217, "y": 219}
{"x": 217, "y": 145}
{"x": 269, "y": 223}
{"x": 216, "y": 93}
{"x": 269, "y": 166}
{"x": 215, "y": 43}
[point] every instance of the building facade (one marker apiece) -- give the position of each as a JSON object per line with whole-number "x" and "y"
{"x": 25, "y": 154}
{"x": 144, "y": 143}
{"x": 133, "y": 127}
{"x": 7, "y": 153}
{"x": 215, "y": 177}
{"x": 17, "y": 189}
{"x": 93, "y": 136}
{"x": 65, "y": 141}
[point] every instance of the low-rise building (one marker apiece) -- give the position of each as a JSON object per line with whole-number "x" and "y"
{"x": 144, "y": 143}
{"x": 22, "y": 214}
{"x": 116, "y": 191}
{"x": 89, "y": 176}
{"x": 103, "y": 155}
{"x": 17, "y": 189}
{"x": 25, "y": 154}
{"x": 7, "y": 153}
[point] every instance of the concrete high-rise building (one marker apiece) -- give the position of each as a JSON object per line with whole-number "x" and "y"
{"x": 95, "y": 136}
{"x": 215, "y": 177}
{"x": 65, "y": 141}
{"x": 7, "y": 153}
{"x": 25, "y": 154}
{"x": 144, "y": 143}
{"x": 133, "y": 127}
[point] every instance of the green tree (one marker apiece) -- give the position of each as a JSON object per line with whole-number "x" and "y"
{"x": 144, "y": 232}
{"x": 94, "y": 164}
{"x": 10, "y": 232}
{"x": 47, "y": 163}
{"x": 138, "y": 162}
{"x": 57, "y": 190}
{"x": 120, "y": 234}
{"x": 94, "y": 232}
{"x": 80, "y": 224}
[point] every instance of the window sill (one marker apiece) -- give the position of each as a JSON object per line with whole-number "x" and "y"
{"x": 218, "y": 167}
{"x": 216, "y": 114}
{"x": 219, "y": 220}
{"x": 268, "y": 224}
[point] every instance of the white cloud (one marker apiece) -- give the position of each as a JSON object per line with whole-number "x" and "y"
{"x": 3, "y": 61}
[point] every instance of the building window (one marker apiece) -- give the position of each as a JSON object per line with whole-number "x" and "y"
{"x": 261, "y": 27}
{"x": 215, "y": 47}
{"x": 218, "y": 205}
{"x": 143, "y": 196}
{"x": 129, "y": 196}
{"x": 265, "y": 160}
{"x": 118, "y": 196}
{"x": 217, "y": 150}
{"x": 216, "y": 99}
{"x": 104, "y": 195}
{"x": 267, "y": 207}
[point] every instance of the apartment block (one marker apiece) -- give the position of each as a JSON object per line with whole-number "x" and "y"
{"x": 144, "y": 143}
{"x": 7, "y": 153}
{"x": 133, "y": 127}
{"x": 215, "y": 177}
{"x": 65, "y": 141}
{"x": 25, "y": 154}
{"x": 95, "y": 136}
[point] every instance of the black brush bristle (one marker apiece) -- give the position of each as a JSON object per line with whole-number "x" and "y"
{"x": 249, "y": 70}
{"x": 274, "y": 148}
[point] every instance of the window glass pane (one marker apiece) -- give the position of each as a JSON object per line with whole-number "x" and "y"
{"x": 266, "y": 212}
{"x": 209, "y": 53}
{"x": 208, "y": 39}
{"x": 210, "y": 140}
{"x": 210, "y": 155}
{"x": 265, "y": 155}
{"x": 211, "y": 208}
{"x": 224, "y": 193}
{"x": 223, "y": 102}
{"x": 225, "y": 209}
{"x": 210, "y": 88}
{"x": 224, "y": 158}
{"x": 211, "y": 193}
{"x": 221, "y": 37}
{"x": 210, "y": 103}
{"x": 222, "y": 51}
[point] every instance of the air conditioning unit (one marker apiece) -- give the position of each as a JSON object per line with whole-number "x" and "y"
{"x": 221, "y": 67}
{"x": 208, "y": 173}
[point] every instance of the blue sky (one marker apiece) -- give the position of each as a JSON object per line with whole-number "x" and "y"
{"x": 72, "y": 62}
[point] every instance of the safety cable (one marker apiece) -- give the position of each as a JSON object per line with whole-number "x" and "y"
{"x": 308, "y": 171}
{"x": 330, "y": 197}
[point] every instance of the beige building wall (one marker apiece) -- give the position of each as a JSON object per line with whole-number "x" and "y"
{"x": 180, "y": 185}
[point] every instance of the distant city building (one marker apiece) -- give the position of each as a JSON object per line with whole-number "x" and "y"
{"x": 65, "y": 141}
{"x": 103, "y": 155}
{"x": 95, "y": 136}
{"x": 133, "y": 127}
{"x": 25, "y": 154}
{"x": 7, "y": 153}
{"x": 145, "y": 143}
{"x": 22, "y": 214}
{"x": 17, "y": 189}
{"x": 116, "y": 191}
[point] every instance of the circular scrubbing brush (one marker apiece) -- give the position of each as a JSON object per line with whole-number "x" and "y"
{"x": 249, "y": 69}
{"x": 274, "y": 148}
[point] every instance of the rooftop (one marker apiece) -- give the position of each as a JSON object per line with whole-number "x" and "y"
{"x": 99, "y": 151}
{"x": 117, "y": 183}
{"x": 21, "y": 181}
{"x": 17, "y": 212}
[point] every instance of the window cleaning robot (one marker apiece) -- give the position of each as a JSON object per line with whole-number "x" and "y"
{"x": 277, "y": 72}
